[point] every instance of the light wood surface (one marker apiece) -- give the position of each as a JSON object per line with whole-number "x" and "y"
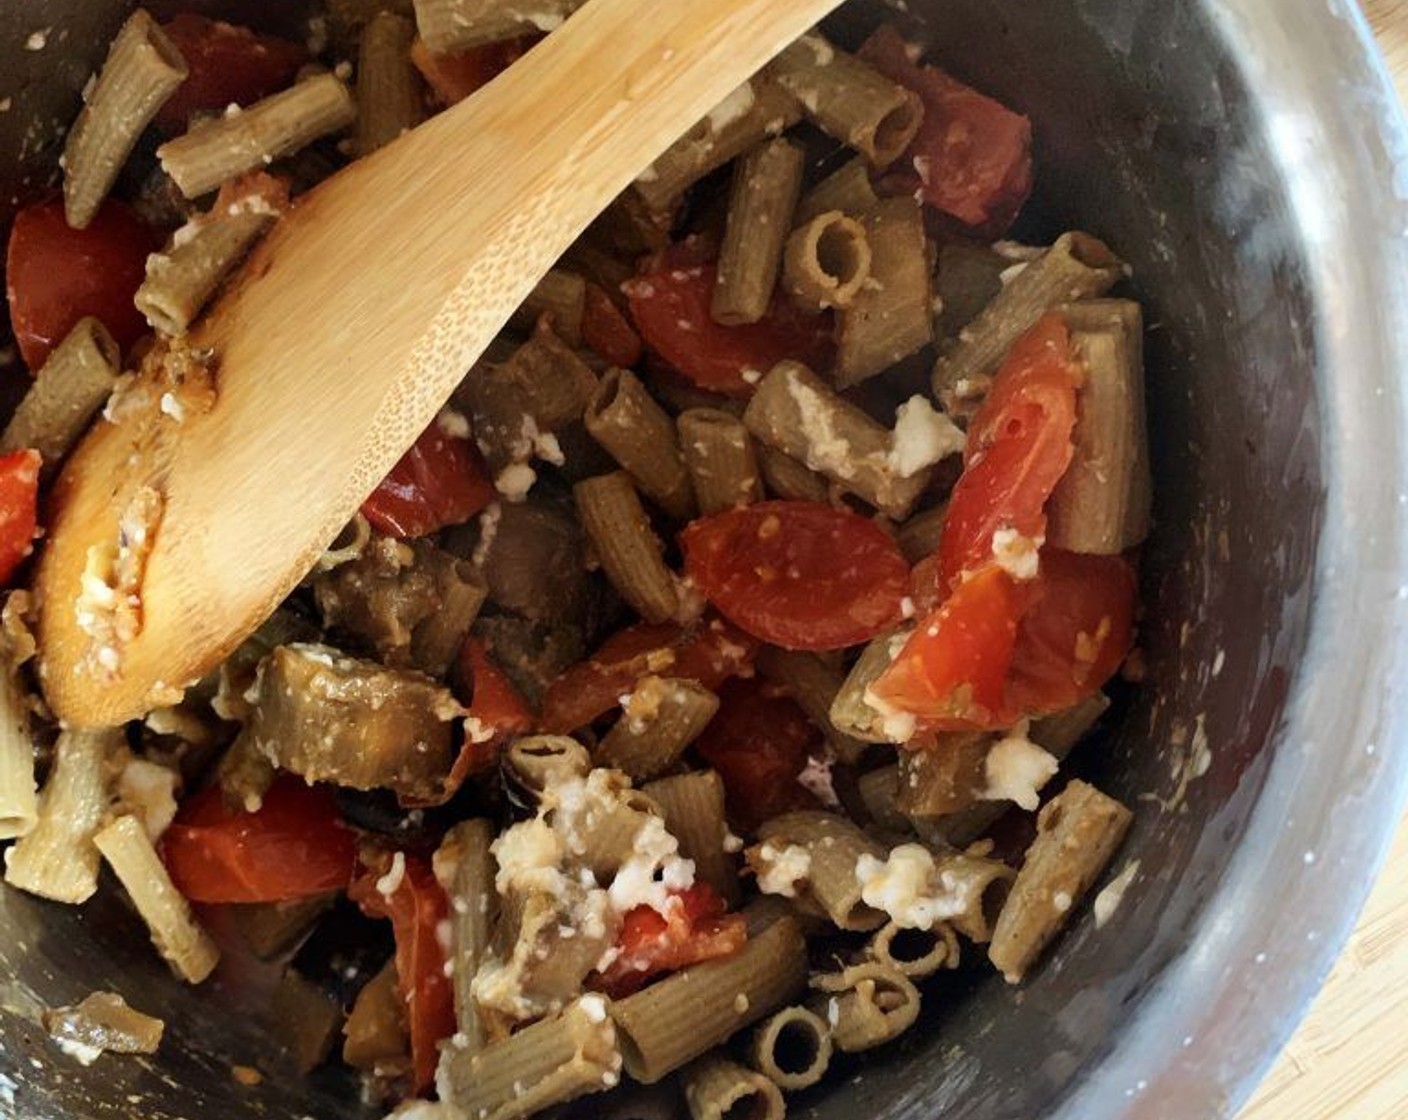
{"x": 1349, "y": 1059}
{"x": 349, "y": 327}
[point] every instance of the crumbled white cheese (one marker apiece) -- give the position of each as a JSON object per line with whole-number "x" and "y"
{"x": 390, "y": 883}
{"x": 897, "y": 726}
{"x": 85, "y": 1053}
{"x": 594, "y": 1007}
{"x": 1017, "y": 769}
{"x": 529, "y": 855}
{"x": 1016, "y": 554}
{"x": 38, "y": 40}
{"x": 827, "y": 450}
{"x": 923, "y": 436}
{"x": 654, "y": 870}
{"x": 515, "y": 480}
{"x": 488, "y": 531}
{"x": 149, "y": 791}
{"x": 732, "y": 108}
{"x": 816, "y": 778}
{"x": 910, "y": 888}
{"x": 452, "y": 424}
{"x": 779, "y": 870}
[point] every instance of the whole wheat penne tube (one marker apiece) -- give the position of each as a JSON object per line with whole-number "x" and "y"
{"x": 69, "y": 389}
{"x": 448, "y": 26}
{"x": 180, "y": 941}
{"x": 849, "y": 100}
{"x": 827, "y": 261}
{"x": 143, "y": 69}
{"x": 847, "y": 189}
{"x": 786, "y": 477}
{"x": 465, "y": 868}
{"x": 661, "y": 718}
{"x": 766, "y": 184}
{"x": 915, "y": 953}
{"x": 813, "y": 683}
{"x": 539, "y": 761}
{"x": 944, "y": 776}
{"x": 716, "y": 1088}
{"x": 389, "y": 96}
{"x": 833, "y": 847}
{"x": 1078, "y": 833}
{"x": 1076, "y": 267}
{"x": 758, "y": 109}
{"x": 218, "y": 150}
{"x": 437, "y": 640}
{"x": 866, "y": 1004}
{"x": 19, "y": 800}
{"x": 878, "y": 790}
{"x": 920, "y": 533}
{"x": 561, "y": 296}
{"x": 792, "y": 1048}
{"x": 629, "y": 550}
{"x": 719, "y": 455}
{"x": 674, "y": 1021}
{"x": 625, "y": 419}
{"x": 692, "y": 807}
{"x": 1101, "y": 504}
{"x": 969, "y": 277}
{"x": 892, "y": 316}
{"x": 852, "y": 711}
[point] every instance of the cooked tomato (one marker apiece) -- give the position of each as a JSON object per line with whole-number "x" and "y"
{"x": 1075, "y": 634}
{"x": 695, "y": 927}
{"x": 416, "y": 904}
{"x": 19, "y": 502}
{"x": 710, "y": 652}
{"x": 294, "y": 846}
{"x": 453, "y": 77}
{"x": 800, "y": 575}
{"x": 605, "y": 330}
{"x": 497, "y": 711}
{"x": 1019, "y": 446}
{"x": 440, "y": 481}
{"x": 228, "y": 64}
{"x": 55, "y": 275}
{"x": 972, "y": 157}
{"x": 759, "y": 742}
{"x": 670, "y": 307}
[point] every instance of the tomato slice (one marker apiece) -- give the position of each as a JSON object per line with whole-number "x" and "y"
{"x": 1076, "y": 632}
{"x": 1019, "y": 446}
{"x": 496, "y": 710}
{"x": 607, "y": 331}
{"x": 416, "y": 905}
{"x": 294, "y": 846}
{"x": 710, "y": 653}
{"x": 453, "y": 77}
{"x": 670, "y": 307}
{"x": 972, "y": 156}
{"x": 800, "y": 575}
{"x": 695, "y": 927}
{"x": 441, "y": 480}
{"x": 227, "y": 64}
{"x": 19, "y": 503}
{"x": 55, "y": 275}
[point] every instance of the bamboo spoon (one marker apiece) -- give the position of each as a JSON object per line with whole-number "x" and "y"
{"x": 178, "y": 527}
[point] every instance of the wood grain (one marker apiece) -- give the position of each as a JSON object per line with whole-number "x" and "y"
{"x": 1349, "y": 1059}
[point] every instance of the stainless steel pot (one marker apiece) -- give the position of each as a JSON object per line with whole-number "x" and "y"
{"x": 1248, "y": 158}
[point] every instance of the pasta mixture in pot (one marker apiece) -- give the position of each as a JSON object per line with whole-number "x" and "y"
{"x": 697, "y": 687}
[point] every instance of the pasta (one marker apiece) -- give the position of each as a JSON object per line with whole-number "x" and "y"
{"x": 388, "y": 87}
{"x": 716, "y": 1088}
{"x": 827, "y": 261}
{"x": 766, "y": 184}
{"x": 847, "y": 189}
{"x": 616, "y": 524}
{"x": 915, "y": 953}
{"x": 814, "y": 684}
{"x": 455, "y": 25}
{"x": 639, "y": 434}
{"x": 792, "y": 1048}
{"x": 465, "y": 869}
{"x": 832, "y": 847}
{"x": 719, "y": 455}
{"x": 866, "y": 1005}
{"x": 661, "y": 718}
{"x": 692, "y": 807}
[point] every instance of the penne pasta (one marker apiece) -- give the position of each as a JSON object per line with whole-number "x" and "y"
{"x": 766, "y": 184}
{"x": 847, "y": 189}
{"x": 827, "y": 261}
{"x": 813, "y": 683}
{"x": 692, "y": 807}
{"x": 866, "y": 1005}
{"x": 719, "y": 455}
{"x": 390, "y": 99}
{"x": 915, "y": 953}
{"x": 561, "y": 297}
{"x": 465, "y": 868}
{"x": 716, "y": 1088}
{"x": 661, "y": 718}
{"x": 624, "y": 418}
{"x": 629, "y": 551}
{"x": 792, "y": 1048}
{"x": 788, "y": 478}
{"x": 448, "y": 26}
{"x": 831, "y": 846}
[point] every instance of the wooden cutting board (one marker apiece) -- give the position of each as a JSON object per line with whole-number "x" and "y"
{"x": 1349, "y": 1059}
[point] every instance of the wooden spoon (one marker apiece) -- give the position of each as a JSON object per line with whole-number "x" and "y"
{"x": 180, "y": 525}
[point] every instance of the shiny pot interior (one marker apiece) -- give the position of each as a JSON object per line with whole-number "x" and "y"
{"x": 1230, "y": 153}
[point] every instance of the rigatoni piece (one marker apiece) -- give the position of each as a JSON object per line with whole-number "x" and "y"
{"x": 919, "y": 535}
{"x": 849, "y": 100}
{"x": 56, "y": 858}
{"x": 180, "y": 941}
{"x": 813, "y": 683}
{"x": 218, "y": 150}
{"x": 867, "y": 1005}
{"x": 848, "y": 189}
{"x": 766, "y": 184}
{"x": 716, "y": 1088}
{"x": 878, "y": 790}
{"x": 555, "y": 1060}
{"x": 915, "y": 953}
{"x": 465, "y": 867}
{"x": 792, "y": 1048}
{"x": 827, "y": 261}
{"x": 561, "y": 296}
{"x": 389, "y": 96}
{"x": 892, "y": 316}
{"x": 1101, "y": 504}
{"x": 1078, "y": 833}
{"x": 19, "y": 800}
{"x": 969, "y": 277}
{"x": 786, "y": 477}
{"x": 692, "y": 807}
{"x": 627, "y": 547}
{"x": 945, "y": 775}
{"x": 448, "y": 26}
{"x": 1076, "y": 267}
{"x": 142, "y": 70}
{"x": 625, "y": 419}
{"x": 661, "y": 718}
{"x": 718, "y": 453}
{"x": 833, "y": 846}
{"x": 676, "y": 1020}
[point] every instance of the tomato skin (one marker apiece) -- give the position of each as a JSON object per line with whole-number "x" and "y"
{"x": 974, "y": 152}
{"x": 55, "y": 275}
{"x": 441, "y": 480}
{"x": 496, "y": 705}
{"x": 670, "y": 307}
{"x": 416, "y": 908}
{"x": 800, "y": 575}
{"x": 607, "y": 331}
{"x": 19, "y": 506}
{"x": 227, "y": 64}
{"x": 1019, "y": 446}
{"x": 453, "y": 77}
{"x": 295, "y": 846}
{"x": 695, "y": 927}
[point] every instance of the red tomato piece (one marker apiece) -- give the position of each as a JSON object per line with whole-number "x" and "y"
{"x": 800, "y": 575}
{"x": 228, "y": 65}
{"x": 441, "y": 480}
{"x": 294, "y": 846}
{"x": 607, "y": 331}
{"x": 1075, "y": 634}
{"x": 710, "y": 653}
{"x": 497, "y": 711}
{"x": 416, "y": 906}
{"x": 759, "y": 742}
{"x": 695, "y": 927}
{"x": 453, "y": 77}
{"x": 670, "y": 307}
{"x": 972, "y": 157}
{"x": 19, "y": 504}
{"x": 1019, "y": 446}
{"x": 55, "y": 275}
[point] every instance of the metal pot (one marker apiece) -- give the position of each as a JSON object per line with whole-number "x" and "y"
{"x": 1249, "y": 160}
